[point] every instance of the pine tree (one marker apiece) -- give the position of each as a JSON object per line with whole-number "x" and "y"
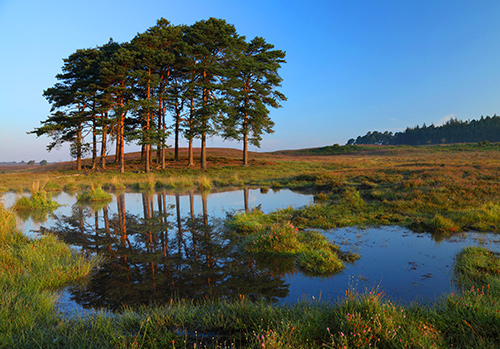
{"x": 252, "y": 88}
{"x": 211, "y": 44}
{"x": 72, "y": 101}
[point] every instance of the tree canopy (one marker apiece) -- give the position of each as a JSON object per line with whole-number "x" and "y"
{"x": 206, "y": 76}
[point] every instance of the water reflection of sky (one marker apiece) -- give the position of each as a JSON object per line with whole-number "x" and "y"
{"x": 218, "y": 204}
{"x": 404, "y": 265}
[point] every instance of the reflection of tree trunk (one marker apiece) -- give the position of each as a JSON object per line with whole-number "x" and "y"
{"x": 205, "y": 209}
{"x": 106, "y": 224}
{"x": 82, "y": 231}
{"x": 179, "y": 225}
{"x": 204, "y": 200}
{"x": 121, "y": 219}
{"x": 245, "y": 196}
{"x": 96, "y": 217}
{"x": 153, "y": 273}
{"x": 193, "y": 232}
{"x": 147, "y": 216}
{"x": 162, "y": 208}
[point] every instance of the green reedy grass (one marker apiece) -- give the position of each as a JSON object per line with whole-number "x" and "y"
{"x": 29, "y": 270}
{"x": 38, "y": 201}
{"x": 279, "y": 239}
{"x": 204, "y": 183}
{"x": 311, "y": 252}
{"x": 472, "y": 316}
{"x": 93, "y": 195}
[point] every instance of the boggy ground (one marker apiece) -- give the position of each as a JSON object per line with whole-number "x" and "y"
{"x": 441, "y": 189}
{"x": 31, "y": 269}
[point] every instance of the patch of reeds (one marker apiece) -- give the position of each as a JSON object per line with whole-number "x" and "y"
{"x": 29, "y": 270}
{"x": 70, "y": 187}
{"x": 93, "y": 195}
{"x": 204, "y": 183}
{"x": 471, "y": 316}
{"x": 37, "y": 201}
{"x": 313, "y": 254}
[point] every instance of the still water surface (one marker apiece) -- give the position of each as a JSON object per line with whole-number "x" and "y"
{"x": 174, "y": 245}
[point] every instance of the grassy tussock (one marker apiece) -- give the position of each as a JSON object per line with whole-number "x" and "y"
{"x": 309, "y": 251}
{"x": 29, "y": 270}
{"x": 204, "y": 183}
{"x": 93, "y": 195}
{"x": 38, "y": 201}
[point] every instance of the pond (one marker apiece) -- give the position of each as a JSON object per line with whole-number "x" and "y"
{"x": 163, "y": 246}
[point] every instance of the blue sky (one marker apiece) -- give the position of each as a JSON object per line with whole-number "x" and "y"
{"x": 352, "y": 66}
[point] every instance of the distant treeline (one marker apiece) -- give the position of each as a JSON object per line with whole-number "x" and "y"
{"x": 454, "y": 131}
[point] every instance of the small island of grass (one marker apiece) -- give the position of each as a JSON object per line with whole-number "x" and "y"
{"x": 95, "y": 194}
{"x": 311, "y": 251}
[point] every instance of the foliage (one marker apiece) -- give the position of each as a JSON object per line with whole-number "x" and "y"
{"x": 30, "y": 269}
{"x": 472, "y": 315}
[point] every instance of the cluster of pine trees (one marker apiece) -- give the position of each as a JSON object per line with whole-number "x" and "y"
{"x": 453, "y": 131}
{"x": 206, "y": 77}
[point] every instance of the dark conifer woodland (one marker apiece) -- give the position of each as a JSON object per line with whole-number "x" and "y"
{"x": 486, "y": 129}
{"x": 166, "y": 83}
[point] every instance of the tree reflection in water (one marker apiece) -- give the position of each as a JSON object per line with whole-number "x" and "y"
{"x": 160, "y": 255}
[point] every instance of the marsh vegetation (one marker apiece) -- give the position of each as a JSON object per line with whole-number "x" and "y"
{"x": 438, "y": 190}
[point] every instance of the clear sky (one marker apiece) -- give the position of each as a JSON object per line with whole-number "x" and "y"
{"x": 352, "y": 66}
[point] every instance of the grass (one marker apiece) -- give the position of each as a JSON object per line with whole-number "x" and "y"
{"x": 37, "y": 205}
{"x": 29, "y": 272}
{"x": 310, "y": 251}
{"x": 95, "y": 194}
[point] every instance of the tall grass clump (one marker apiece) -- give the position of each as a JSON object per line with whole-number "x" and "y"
{"x": 311, "y": 251}
{"x": 280, "y": 239}
{"x": 472, "y": 316}
{"x": 204, "y": 183}
{"x": 117, "y": 184}
{"x": 29, "y": 270}
{"x": 38, "y": 201}
{"x": 94, "y": 194}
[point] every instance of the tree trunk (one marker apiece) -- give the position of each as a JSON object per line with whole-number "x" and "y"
{"x": 177, "y": 130}
{"x": 245, "y": 149}
{"x": 121, "y": 155}
{"x": 190, "y": 153}
{"x": 204, "y": 150}
{"x": 79, "y": 148}
{"x": 204, "y": 126}
{"x": 103, "y": 147}
{"x": 148, "y": 119}
{"x": 94, "y": 144}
